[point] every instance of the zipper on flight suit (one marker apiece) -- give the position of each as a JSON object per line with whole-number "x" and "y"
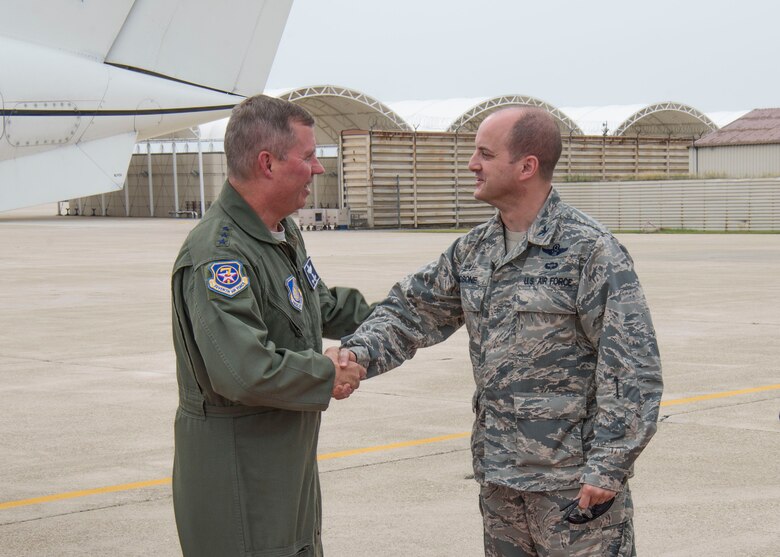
{"x": 289, "y": 253}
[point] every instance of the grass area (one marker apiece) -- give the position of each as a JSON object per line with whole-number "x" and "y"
{"x": 572, "y": 178}
{"x": 689, "y": 231}
{"x": 660, "y": 231}
{"x": 644, "y": 177}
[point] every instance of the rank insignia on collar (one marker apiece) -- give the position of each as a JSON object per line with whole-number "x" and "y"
{"x": 224, "y": 237}
{"x": 294, "y": 293}
{"x": 555, "y": 250}
{"x": 311, "y": 274}
{"x": 227, "y": 278}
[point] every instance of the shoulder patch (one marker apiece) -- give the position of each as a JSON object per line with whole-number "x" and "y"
{"x": 227, "y": 278}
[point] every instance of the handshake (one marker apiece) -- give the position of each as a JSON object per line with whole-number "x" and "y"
{"x": 348, "y": 372}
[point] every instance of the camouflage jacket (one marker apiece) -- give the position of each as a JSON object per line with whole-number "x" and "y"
{"x": 566, "y": 364}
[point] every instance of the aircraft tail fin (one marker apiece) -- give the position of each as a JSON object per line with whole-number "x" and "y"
{"x": 87, "y": 168}
{"x": 227, "y": 46}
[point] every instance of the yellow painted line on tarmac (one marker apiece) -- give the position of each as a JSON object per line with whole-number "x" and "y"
{"x": 340, "y": 454}
{"x": 401, "y": 445}
{"x": 719, "y": 395}
{"x": 82, "y": 493}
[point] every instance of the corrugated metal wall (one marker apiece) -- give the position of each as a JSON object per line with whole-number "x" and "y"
{"x": 716, "y": 205}
{"x": 736, "y": 161}
{"x": 409, "y": 179}
{"x": 601, "y": 158}
{"x": 401, "y": 179}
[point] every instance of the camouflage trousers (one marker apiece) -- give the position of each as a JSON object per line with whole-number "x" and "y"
{"x": 530, "y": 524}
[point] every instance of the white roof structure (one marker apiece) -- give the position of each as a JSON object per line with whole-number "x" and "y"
{"x": 339, "y": 108}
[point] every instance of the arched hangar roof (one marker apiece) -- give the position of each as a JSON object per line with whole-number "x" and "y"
{"x": 339, "y": 108}
{"x": 667, "y": 118}
{"x": 472, "y": 118}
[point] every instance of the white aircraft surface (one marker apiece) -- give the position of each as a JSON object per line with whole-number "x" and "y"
{"x": 81, "y": 81}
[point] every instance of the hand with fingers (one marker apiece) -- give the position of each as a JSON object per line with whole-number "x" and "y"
{"x": 590, "y": 495}
{"x": 348, "y": 372}
{"x": 591, "y": 502}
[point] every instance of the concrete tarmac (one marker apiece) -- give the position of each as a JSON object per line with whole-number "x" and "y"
{"x": 89, "y": 394}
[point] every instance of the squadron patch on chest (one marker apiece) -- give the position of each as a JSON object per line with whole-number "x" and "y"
{"x": 227, "y": 278}
{"x": 294, "y": 293}
{"x": 311, "y": 274}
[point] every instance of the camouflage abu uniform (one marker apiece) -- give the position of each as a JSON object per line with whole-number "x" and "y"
{"x": 566, "y": 365}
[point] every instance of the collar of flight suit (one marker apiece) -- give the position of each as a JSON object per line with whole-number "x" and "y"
{"x": 245, "y": 217}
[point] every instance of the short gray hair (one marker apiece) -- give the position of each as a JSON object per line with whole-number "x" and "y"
{"x": 261, "y": 123}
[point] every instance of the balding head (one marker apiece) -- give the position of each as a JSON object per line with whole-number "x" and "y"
{"x": 532, "y": 131}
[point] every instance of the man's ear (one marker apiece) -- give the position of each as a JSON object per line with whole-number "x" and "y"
{"x": 265, "y": 163}
{"x": 527, "y": 167}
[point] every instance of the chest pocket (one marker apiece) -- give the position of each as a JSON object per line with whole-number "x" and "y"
{"x": 471, "y": 299}
{"x": 546, "y": 316}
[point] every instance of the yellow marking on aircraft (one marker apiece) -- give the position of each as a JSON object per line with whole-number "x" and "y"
{"x": 340, "y": 454}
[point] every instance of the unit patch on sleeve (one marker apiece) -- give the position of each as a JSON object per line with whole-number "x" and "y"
{"x": 311, "y": 274}
{"x": 294, "y": 293}
{"x": 227, "y": 278}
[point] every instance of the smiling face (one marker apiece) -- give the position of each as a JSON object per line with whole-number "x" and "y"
{"x": 297, "y": 170}
{"x": 492, "y": 163}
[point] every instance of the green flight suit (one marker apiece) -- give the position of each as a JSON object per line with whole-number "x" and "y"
{"x": 248, "y": 319}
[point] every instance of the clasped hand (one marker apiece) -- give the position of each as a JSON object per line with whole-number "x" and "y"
{"x": 348, "y": 372}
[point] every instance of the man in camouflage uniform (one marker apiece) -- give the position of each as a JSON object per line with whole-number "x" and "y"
{"x": 567, "y": 370}
{"x": 249, "y": 313}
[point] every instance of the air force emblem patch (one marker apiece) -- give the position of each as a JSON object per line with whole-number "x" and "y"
{"x": 294, "y": 293}
{"x": 227, "y": 278}
{"x": 311, "y": 274}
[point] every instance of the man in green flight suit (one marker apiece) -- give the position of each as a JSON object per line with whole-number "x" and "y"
{"x": 249, "y": 314}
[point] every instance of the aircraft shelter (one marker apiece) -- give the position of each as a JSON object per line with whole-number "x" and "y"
{"x": 393, "y": 167}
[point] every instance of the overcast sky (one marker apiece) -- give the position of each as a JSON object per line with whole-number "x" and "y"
{"x": 714, "y": 55}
